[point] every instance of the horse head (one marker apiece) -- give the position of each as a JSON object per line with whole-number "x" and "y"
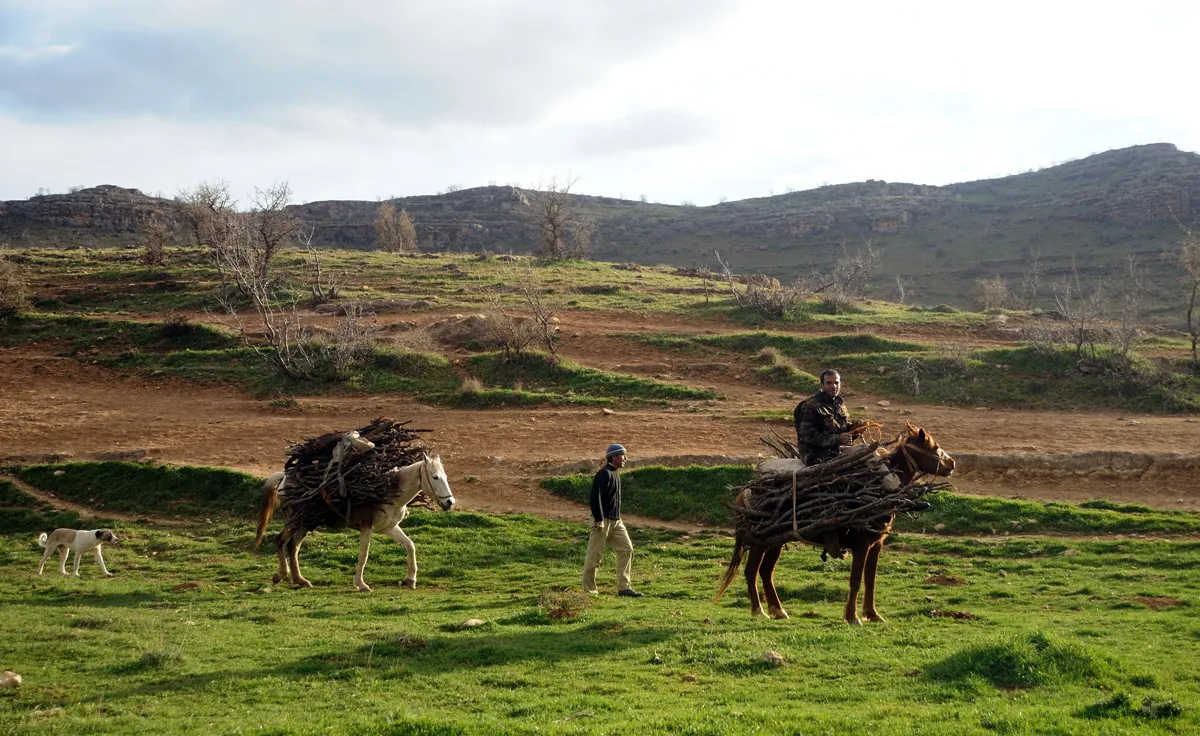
{"x": 433, "y": 479}
{"x": 921, "y": 454}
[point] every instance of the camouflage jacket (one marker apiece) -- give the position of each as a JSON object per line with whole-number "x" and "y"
{"x": 819, "y": 420}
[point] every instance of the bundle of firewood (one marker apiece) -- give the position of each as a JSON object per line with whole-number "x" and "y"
{"x": 327, "y": 487}
{"x": 855, "y": 490}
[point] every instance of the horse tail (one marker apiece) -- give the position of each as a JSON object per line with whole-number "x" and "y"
{"x": 739, "y": 547}
{"x": 270, "y": 502}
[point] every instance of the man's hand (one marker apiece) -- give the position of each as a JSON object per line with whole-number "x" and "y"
{"x": 846, "y": 438}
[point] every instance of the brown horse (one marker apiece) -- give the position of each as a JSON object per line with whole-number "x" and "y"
{"x": 915, "y": 454}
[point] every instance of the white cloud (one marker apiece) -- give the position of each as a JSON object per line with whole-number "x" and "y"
{"x": 678, "y": 100}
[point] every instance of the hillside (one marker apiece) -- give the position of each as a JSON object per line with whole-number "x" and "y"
{"x": 938, "y": 240}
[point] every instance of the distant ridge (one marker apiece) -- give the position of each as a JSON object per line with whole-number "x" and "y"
{"x": 938, "y": 239}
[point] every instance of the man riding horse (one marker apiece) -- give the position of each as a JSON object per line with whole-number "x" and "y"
{"x": 823, "y": 427}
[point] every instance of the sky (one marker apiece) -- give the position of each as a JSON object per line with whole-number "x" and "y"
{"x": 691, "y": 101}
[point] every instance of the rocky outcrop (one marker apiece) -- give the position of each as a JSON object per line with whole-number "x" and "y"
{"x": 105, "y": 208}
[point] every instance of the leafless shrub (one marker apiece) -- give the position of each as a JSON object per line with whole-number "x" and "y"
{"x": 561, "y": 605}
{"x": 351, "y": 343}
{"x": 992, "y": 293}
{"x": 562, "y": 230}
{"x": 910, "y": 375}
{"x": 155, "y": 236}
{"x": 416, "y": 340}
{"x": 322, "y": 284}
{"x": 508, "y": 332}
{"x": 12, "y": 289}
{"x": 764, "y": 295}
{"x": 471, "y": 385}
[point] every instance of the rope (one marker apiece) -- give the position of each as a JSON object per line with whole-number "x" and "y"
{"x": 795, "y": 528}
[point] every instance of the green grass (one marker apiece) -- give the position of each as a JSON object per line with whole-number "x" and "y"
{"x": 134, "y": 488}
{"x": 1014, "y": 377}
{"x": 695, "y": 494}
{"x": 542, "y": 374}
{"x": 20, "y": 512}
{"x": 190, "y": 636}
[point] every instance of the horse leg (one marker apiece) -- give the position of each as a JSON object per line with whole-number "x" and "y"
{"x": 364, "y": 547}
{"x": 294, "y": 557}
{"x": 753, "y": 561}
{"x": 868, "y": 609}
{"x": 281, "y": 542}
{"x": 859, "y": 553}
{"x": 398, "y": 534}
{"x": 767, "y": 573}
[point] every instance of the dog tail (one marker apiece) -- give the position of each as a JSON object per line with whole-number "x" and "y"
{"x": 270, "y": 502}
{"x": 43, "y": 539}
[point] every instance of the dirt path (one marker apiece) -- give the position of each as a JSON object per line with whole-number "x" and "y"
{"x": 51, "y": 405}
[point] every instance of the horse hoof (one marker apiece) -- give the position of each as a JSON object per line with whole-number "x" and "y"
{"x": 411, "y": 584}
{"x": 779, "y": 614}
{"x": 275, "y": 579}
{"x": 302, "y": 583}
{"x": 854, "y": 622}
{"x": 364, "y": 588}
{"x": 759, "y": 612}
{"x": 876, "y": 618}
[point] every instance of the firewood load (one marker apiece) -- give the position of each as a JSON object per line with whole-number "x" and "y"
{"x": 855, "y": 490}
{"x": 328, "y": 483}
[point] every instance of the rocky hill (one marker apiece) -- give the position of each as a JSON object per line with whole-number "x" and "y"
{"x": 937, "y": 240}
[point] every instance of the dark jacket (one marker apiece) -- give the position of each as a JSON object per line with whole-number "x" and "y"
{"x": 819, "y": 421}
{"x": 605, "y": 498}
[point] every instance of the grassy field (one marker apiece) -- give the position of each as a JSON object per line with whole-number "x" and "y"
{"x": 1032, "y": 634}
{"x": 1020, "y": 376}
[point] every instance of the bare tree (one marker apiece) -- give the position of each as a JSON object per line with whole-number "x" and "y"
{"x": 563, "y": 231}
{"x": 209, "y": 214}
{"x": 1128, "y": 293}
{"x": 322, "y": 283}
{"x": 155, "y": 236}
{"x": 1083, "y": 309}
{"x": 1031, "y": 278}
{"x": 273, "y": 225}
{"x": 1188, "y": 259}
{"x": 394, "y": 231}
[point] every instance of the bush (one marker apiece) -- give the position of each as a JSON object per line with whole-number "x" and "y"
{"x": 12, "y": 289}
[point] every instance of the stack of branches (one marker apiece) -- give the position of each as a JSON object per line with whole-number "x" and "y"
{"x": 325, "y": 488}
{"x": 856, "y": 490}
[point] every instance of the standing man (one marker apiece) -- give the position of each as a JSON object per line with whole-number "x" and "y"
{"x": 607, "y": 527}
{"x": 823, "y": 425}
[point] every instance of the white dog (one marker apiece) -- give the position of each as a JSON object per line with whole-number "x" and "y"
{"x": 78, "y": 541}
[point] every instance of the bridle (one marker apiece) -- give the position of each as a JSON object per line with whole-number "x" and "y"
{"x": 907, "y": 452}
{"x": 425, "y": 484}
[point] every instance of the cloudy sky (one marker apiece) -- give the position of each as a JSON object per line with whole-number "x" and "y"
{"x": 678, "y": 100}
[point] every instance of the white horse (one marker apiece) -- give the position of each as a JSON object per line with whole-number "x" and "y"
{"x": 427, "y": 474}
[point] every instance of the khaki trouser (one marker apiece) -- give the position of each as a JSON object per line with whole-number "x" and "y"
{"x": 611, "y": 533}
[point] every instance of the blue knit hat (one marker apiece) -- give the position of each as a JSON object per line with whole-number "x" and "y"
{"x": 614, "y": 449}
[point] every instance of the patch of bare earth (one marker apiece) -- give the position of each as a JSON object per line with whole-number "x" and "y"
{"x": 58, "y": 406}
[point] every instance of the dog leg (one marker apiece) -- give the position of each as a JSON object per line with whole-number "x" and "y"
{"x": 63, "y": 553}
{"x": 78, "y": 559}
{"x": 45, "y": 556}
{"x": 100, "y": 559}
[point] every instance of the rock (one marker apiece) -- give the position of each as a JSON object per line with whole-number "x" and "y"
{"x": 472, "y": 623}
{"x": 688, "y": 678}
{"x": 938, "y": 527}
{"x": 608, "y": 412}
{"x": 772, "y": 658}
{"x": 60, "y": 472}
{"x": 883, "y": 402}
{"x": 10, "y": 679}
